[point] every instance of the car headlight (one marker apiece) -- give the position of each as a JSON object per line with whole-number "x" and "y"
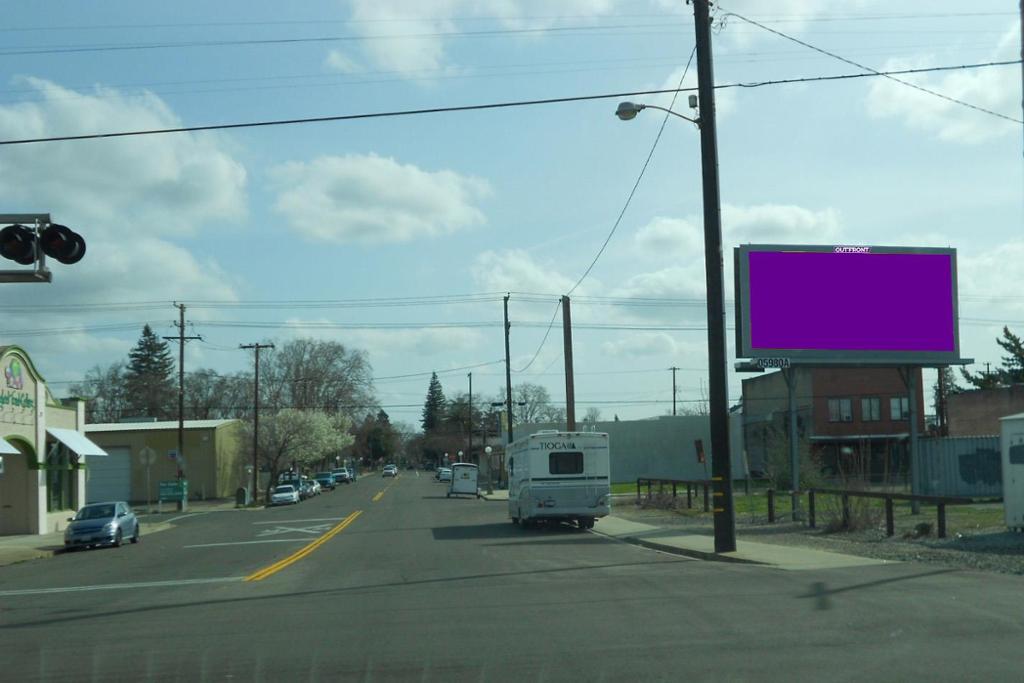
{"x": 109, "y": 526}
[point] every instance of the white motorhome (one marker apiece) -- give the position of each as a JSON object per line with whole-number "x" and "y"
{"x": 559, "y": 476}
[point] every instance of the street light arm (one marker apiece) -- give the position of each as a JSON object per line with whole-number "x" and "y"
{"x": 695, "y": 122}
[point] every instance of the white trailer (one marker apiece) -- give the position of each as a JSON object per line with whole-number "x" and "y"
{"x": 1012, "y": 438}
{"x": 559, "y": 476}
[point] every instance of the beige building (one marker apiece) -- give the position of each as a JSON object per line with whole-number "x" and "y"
{"x": 142, "y": 454}
{"x": 44, "y": 456}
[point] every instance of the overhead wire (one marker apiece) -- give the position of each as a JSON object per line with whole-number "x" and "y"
{"x": 547, "y": 332}
{"x": 442, "y": 110}
{"x": 876, "y": 72}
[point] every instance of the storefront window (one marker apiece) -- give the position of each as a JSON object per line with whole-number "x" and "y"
{"x": 60, "y": 479}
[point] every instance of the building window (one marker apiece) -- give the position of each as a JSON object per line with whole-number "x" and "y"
{"x": 840, "y": 410}
{"x": 565, "y": 463}
{"x": 899, "y": 408}
{"x": 60, "y": 480}
{"x": 870, "y": 409}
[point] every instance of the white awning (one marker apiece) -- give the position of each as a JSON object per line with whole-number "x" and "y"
{"x": 7, "y": 449}
{"x": 76, "y": 441}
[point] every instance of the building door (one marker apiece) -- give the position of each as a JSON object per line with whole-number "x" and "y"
{"x": 16, "y": 485}
{"x": 109, "y": 478}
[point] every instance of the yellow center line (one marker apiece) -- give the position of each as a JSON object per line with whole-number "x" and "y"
{"x": 305, "y": 550}
{"x": 380, "y": 494}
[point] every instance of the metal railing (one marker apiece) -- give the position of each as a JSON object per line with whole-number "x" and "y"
{"x": 691, "y": 489}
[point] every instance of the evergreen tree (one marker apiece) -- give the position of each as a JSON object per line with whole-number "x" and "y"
{"x": 149, "y": 379}
{"x": 1012, "y": 371}
{"x": 434, "y": 408}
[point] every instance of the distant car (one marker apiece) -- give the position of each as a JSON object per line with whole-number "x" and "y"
{"x": 342, "y": 476}
{"x": 410, "y": 466}
{"x": 325, "y": 480}
{"x": 444, "y": 474}
{"x": 102, "y": 524}
{"x": 317, "y": 488}
{"x": 306, "y": 490}
{"x": 390, "y": 471}
{"x": 285, "y": 494}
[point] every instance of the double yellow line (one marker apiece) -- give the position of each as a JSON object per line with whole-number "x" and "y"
{"x": 305, "y": 550}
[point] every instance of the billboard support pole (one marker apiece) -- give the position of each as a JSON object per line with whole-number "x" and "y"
{"x": 915, "y": 485}
{"x": 794, "y": 451}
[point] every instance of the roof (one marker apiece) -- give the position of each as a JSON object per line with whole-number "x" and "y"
{"x": 1018, "y": 416}
{"x": 154, "y": 426}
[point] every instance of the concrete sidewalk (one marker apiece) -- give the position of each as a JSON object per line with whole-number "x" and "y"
{"x": 680, "y": 542}
{"x": 497, "y": 495}
{"x": 700, "y": 546}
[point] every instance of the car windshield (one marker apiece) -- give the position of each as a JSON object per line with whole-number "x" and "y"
{"x": 285, "y": 489}
{"x": 95, "y": 512}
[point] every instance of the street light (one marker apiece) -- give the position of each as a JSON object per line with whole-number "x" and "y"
{"x": 490, "y": 470}
{"x": 718, "y": 388}
{"x": 627, "y": 111}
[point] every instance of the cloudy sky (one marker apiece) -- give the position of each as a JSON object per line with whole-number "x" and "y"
{"x": 400, "y": 235}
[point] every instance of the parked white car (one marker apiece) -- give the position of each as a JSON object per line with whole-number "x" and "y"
{"x": 444, "y": 474}
{"x": 284, "y": 495}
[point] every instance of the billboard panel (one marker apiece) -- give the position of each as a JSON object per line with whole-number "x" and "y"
{"x": 846, "y": 304}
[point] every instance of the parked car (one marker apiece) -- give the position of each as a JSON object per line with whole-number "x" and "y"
{"x": 444, "y": 474}
{"x": 317, "y": 489}
{"x": 102, "y": 524}
{"x": 342, "y": 476}
{"x": 390, "y": 471}
{"x": 286, "y": 494}
{"x": 325, "y": 480}
{"x": 306, "y": 489}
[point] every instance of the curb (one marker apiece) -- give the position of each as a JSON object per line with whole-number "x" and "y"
{"x": 685, "y": 552}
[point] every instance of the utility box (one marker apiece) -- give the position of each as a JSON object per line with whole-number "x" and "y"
{"x": 1012, "y": 443}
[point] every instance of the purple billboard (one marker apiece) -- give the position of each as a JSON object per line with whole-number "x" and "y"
{"x": 846, "y": 304}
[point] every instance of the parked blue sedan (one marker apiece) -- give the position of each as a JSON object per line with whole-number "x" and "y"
{"x": 102, "y": 524}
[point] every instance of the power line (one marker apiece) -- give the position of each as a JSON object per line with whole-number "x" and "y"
{"x": 551, "y": 324}
{"x": 639, "y": 178}
{"x": 452, "y": 109}
{"x": 868, "y": 68}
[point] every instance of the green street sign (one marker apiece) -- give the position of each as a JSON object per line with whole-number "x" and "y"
{"x": 173, "y": 490}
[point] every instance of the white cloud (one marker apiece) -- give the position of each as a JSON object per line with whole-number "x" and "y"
{"x": 779, "y": 223}
{"x": 995, "y": 88}
{"x": 338, "y": 61}
{"x": 996, "y": 275}
{"x": 159, "y": 184}
{"x": 516, "y": 270}
{"x": 642, "y": 344}
{"x": 372, "y": 199}
{"x": 419, "y": 46}
{"x": 424, "y": 342}
{"x": 670, "y": 237}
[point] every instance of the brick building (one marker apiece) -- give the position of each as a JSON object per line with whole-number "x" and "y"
{"x": 845, "y": 416}
{"x": 977, "y": 412}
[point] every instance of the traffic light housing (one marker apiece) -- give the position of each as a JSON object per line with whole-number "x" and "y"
{"x": 19, "y": 244}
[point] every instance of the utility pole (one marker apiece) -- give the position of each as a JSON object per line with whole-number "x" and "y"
{"x": 570, "y": 391}
{"x": 1022, "y": 54}
{"x": 181, "y": 339}
{"x": 674, "y": 369}
{"x": 256, "y": 418}
{"x": 469, "y": 450}
{"x": 508, "y": 376}
{"x": 941, "y": 407}
{"x": 718, "y": 388}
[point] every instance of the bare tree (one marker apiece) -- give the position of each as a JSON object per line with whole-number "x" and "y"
{"x": 105, "y": 391}
{"x": 311, "y": 374}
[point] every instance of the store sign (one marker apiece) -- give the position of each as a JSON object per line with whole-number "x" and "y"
{"x": 15, "y": 395}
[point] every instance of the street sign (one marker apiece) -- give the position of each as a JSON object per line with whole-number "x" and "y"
{"x": 174, "y": 490}
{"x": 172, "y": 454}
{"x": 147, "y": 456}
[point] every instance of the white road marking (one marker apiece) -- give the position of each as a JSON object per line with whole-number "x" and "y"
{"x": 120, "y": 586}
{"x": 314, "y": 530}
{"x": 271, "y": 540}
{"x": 193, "y": 514}
{"x": 296, "y": 521}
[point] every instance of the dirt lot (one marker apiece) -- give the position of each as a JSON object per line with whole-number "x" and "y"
{"x": 977, "y": 539}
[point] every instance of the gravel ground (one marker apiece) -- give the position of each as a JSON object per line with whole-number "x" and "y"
{"x": 994, "y": 549}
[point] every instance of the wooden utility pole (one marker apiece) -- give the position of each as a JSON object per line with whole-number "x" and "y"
{"x": 674, "y": 369}
{"x": 469, "y": 449}
{"x": 570, "y": 390}
{"x": 256, "y": 418}
{"x": 508, "y": 377}
{"x": 181, "y": 339}
{"x": 718, "y": 388}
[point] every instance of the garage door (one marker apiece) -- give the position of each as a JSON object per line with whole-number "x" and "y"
{"x": 109, "y": 478}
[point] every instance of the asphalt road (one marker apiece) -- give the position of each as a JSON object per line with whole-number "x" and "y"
{"x": 409, "y": 585}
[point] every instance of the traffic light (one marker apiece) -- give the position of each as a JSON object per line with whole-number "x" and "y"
{"x": 18, "y": 243}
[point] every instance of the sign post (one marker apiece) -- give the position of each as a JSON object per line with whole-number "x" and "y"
{"x": 147, "y": 456}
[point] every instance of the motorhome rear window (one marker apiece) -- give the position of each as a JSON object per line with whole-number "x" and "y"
{"x": 565, "y": 463}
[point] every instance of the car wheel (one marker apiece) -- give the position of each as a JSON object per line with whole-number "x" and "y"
{"x": 118, "y": 539}
{"x": 138, "y": 534}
